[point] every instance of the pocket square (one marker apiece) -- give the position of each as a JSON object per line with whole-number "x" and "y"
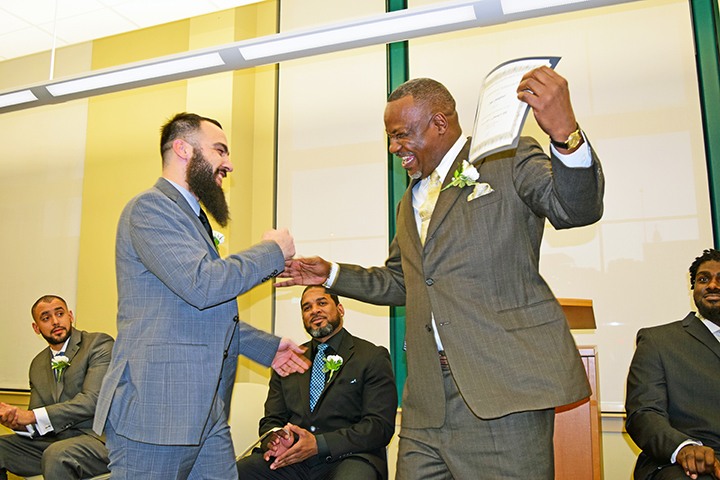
{"x": 480, "y": 190}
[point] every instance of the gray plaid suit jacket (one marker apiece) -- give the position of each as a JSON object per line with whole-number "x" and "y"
{"x": 503, "y": 331}
{"x": 673, "y": 391}
{"x": 176, "y": 316}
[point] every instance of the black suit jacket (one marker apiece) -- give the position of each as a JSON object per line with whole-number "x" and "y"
{"x": 673, "y": 391}
{"x": 355, "y": 415}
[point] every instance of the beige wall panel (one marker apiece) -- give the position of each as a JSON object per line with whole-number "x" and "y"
{"x": 41, "y": 180}
{"x": 332, "y": 173}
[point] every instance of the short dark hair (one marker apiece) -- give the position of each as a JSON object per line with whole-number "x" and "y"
{"x": 428, "y": 93}
{"x": 325, "y": 289}
{"x": 707, "y": 255}
{"x": 46, "y": 299}
{"x": 181, "y": 126}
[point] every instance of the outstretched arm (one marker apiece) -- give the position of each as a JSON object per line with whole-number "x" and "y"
{"x": 305, "y": 271}
{"x": 289, "y": 358}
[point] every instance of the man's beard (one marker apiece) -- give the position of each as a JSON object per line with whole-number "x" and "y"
{"x": 200, "y": 177}
{"x": 415, "y": 176}
{"x": 711, "y": 313}
{"x": 322, "y": 332}
{"x": 58, "y": 340}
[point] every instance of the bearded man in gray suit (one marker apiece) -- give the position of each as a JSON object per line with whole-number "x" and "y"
{"x": 166, "y": 397}
{"x": 54, "y": 435}
{"x": 489, "y": 351}
{"x": 673, "y": 387}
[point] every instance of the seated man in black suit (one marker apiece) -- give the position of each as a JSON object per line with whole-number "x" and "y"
{"x": 55, "y": 437}
{"x": 673, "y": 388}
{"x": 341, "y": 417}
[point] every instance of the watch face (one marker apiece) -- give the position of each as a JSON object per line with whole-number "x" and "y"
{"x": 574, "y": 139}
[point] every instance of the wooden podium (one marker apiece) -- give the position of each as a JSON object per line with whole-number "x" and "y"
{"x": 578, "y": 449}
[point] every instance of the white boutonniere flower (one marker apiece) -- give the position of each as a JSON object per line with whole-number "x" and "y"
{"x": 332, "y": 364}
{"x": 218, "y": 238}
{"x": 60, "y": 363}
{"x": 466, "y": 175}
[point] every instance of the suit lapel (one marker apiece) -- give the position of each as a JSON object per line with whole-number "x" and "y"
{"x": 49, "y": 374}
{"x": 406, "y": 217}
{"x": 346, "y": 352}
{"x": 449, "y": 196}
{"x": 695, "y": 327}
{"x": 303, "y": 382}
{"x": 173, "y": 194}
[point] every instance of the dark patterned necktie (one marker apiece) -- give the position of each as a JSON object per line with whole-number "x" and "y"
{"x": 206, "y": 223}
{"x": 317, "y": 378}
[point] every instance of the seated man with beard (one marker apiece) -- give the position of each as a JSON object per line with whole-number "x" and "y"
{"x": 54, "y": 435}
{"x": 673, "y": 388}
{"x": 340, "y": 418}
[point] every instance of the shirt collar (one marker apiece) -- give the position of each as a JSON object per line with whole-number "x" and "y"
{"x": 189, "y": 197}
{"x": 334, "y": 342}
{"x": 447, "y": 161}
{"x": 450, "y": 157}
{"x": 63, "y": 349}
{"x": 714, "y": 329}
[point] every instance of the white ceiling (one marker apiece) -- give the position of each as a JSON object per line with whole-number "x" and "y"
{"x": 26, "y": 26}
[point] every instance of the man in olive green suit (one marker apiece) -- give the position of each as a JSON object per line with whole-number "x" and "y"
{"x": 55, "y": 436}
{"x": 489, "y": 351}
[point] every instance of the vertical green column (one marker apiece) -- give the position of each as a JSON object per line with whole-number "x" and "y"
{"x": 397, "y": 73}
{"x": 706, "y": 24}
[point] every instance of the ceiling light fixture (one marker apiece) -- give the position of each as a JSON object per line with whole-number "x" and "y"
{"x": 377, "y": 29}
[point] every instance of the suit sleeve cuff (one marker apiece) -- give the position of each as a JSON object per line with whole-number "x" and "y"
{"x": 43, "y": 424}
{"x": 323, "y": 449}
{"x": 334, "y": 267}
{"x": 580, "y": 158}
{"x": 673, "y": 459}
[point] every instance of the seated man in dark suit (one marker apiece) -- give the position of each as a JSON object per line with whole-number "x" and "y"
{"x": 340, "y": 418}
{"x": 54, "y": 437}
{"x": 673, "y": 388}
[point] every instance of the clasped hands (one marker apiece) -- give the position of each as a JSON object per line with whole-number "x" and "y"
{"x": 697, "y": 459}
{"x": 15, "y": 418}
{"x": 282, "y": 445}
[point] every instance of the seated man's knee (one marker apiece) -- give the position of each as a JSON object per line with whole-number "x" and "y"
{"x": 58, "y": 458}
{"x": 253, "y": 464}
{"x": 356, "y": 468}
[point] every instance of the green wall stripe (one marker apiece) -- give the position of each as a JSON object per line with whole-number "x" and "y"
{"x": 397, "y": 73}
{"x": 705, "y": 25}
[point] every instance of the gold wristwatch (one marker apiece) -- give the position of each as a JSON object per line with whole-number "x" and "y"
{"x": 572, "y": 141}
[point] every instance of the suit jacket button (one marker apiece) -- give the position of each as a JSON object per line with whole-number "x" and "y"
{"x": 328, "y": 459}
{"x": 236, "y": 318}
{"x": 428, "y": 328}
{"x": 429, "y": 282}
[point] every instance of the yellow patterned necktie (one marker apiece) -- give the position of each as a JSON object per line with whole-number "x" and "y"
{"x": 428, "y": 205}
